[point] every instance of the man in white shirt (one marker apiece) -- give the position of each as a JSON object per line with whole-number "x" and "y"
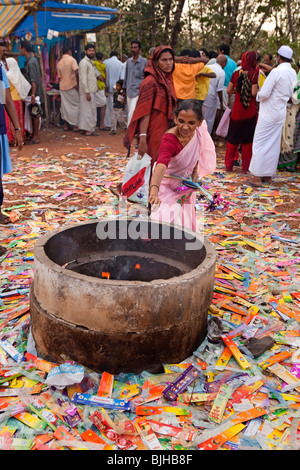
{"x": 214, "y": 98}
{"x": 88, "y": 88}
{"x": 114, "y": 73}
{"x": 273, "y": 97}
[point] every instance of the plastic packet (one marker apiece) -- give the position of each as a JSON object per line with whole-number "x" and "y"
{"x": 64, "y": 375}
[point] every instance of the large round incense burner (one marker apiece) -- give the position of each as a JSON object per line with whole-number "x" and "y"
{"x": 121, "y": 294}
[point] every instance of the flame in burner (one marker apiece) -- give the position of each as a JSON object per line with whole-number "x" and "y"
{"x": 106, "y": 275}
{"x": 137, "y": 266}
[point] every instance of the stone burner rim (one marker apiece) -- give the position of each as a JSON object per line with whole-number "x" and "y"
{"x": 41, "y": 256}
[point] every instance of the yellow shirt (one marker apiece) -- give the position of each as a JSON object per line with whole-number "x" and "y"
{"x": 102, "y": 69}
{"x": 202, "y": 84}
{"x": 184, "y": 79}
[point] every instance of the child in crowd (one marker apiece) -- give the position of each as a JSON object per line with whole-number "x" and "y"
{"x": 118, "y": 113}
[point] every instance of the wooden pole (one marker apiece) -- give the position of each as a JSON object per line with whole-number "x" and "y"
{"x": 42, "y": 69}
{"x": 120, "y": 35}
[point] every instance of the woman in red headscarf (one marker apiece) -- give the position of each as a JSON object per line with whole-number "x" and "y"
{"x": 156, "y": 104}
{"x": 244, "y": 84}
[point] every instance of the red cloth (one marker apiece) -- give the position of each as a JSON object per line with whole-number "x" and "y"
{"x": 9, "y": 125}
{"x": 230, "y": 156}
{"x": 243, "y": 120}
{"x": 238, "y": 110}
{"x": 156, "y": 98}
{"x": 170, "y": 147}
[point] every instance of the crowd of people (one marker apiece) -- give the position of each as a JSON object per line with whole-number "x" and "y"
{"x": 169, "y": 106}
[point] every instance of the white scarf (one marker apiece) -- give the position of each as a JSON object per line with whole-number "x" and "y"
{"x": 16, "y": 78}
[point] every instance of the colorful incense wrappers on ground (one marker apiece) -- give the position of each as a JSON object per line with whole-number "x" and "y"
{"x": 172, "y": 391}
{"x": 255, "y": 294}
{"x": 104, "y": 402}
{"x": 241, "y": 360}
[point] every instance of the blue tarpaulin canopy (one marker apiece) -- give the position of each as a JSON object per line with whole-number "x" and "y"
{"x": 61, "y": 17}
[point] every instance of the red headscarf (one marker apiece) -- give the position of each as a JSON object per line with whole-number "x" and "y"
{"x": 249, "y": 63}
{"x": 156, "y": 92}
{"x": 165, "y": 81}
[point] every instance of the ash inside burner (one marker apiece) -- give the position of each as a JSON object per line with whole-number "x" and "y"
{"x": 128, "y": 268}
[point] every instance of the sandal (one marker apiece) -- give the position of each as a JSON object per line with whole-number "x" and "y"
{"x": 92, "y": 134}
{"x": 32, "y": 142}
{"x": 104, "y": 128}
{"x": 254, "y": 185}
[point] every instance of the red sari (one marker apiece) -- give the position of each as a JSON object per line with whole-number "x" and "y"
{"x": 156, "y": 98}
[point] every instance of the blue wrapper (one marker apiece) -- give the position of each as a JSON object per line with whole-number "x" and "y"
{"x": 103, "y": 402}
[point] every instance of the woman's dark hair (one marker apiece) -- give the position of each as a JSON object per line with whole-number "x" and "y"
{"x": 190, "y": 105}
{"x": 99, "y": 55}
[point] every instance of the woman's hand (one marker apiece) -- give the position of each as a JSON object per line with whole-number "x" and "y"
{"x": 153, "y": 198}
{"x": 18, "y": 140}
{"x": 142, "y": 147}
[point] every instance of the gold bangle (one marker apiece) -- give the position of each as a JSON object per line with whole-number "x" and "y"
{"x": 154, "y": 185}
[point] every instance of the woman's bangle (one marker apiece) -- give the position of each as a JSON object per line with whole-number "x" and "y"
{"x": 154, "y": 185}
{"x": 142, "y": 134}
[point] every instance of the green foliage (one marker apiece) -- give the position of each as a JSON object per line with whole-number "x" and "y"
{"x": 244, "y": 24}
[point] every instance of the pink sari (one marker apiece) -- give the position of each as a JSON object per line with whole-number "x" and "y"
{"x": 178, "y": 205}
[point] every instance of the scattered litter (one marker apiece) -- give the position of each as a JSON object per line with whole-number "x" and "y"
{"x": 240, "y": 390}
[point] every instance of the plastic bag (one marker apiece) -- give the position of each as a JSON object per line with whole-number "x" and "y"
{"x": 296, "y": 94}
{"x": 64, "y": 375}
{"x": 222, "y": 129}
{"x": 136, "y": 179}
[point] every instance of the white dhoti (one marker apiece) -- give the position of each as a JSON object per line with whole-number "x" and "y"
{"x": 266, "y": 147}
{"x": 131, "y": 104}
{"x": 27, "y": 116}
{"x": 109, "y": 108}
{"x": 224, "y": 98}
{"x": 100, "y": 99}
{"x": 209, "y": 115}
{"x": 70, "y": 106}
{"x": 88, "y": 113}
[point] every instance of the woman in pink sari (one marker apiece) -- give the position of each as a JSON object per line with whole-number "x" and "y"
{"x": 186, "y": 150}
